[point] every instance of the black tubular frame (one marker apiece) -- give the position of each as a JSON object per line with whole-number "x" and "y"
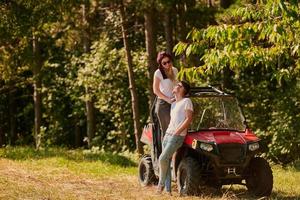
{"x": 207, "y": 91}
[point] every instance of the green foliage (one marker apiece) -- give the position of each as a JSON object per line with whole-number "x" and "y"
{"x": 104, "y": 72}
{"x": 65, "y": 73}
{"x": 255, "y": 52}
{"x": 252, "y": 49}
{"x": 286, "y": 138}
{"x": 258, "y": 40}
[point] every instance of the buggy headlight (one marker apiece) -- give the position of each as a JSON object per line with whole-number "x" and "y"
{"x": 206, "y": 147}
{"x": 253, "y": 146}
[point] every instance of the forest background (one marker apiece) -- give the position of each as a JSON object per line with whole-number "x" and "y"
{"x": 78, "y": 73}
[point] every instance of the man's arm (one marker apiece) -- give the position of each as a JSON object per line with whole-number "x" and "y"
{"x": 186, "y": 122}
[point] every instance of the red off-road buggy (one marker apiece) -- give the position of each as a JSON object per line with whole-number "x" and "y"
{"x": 219, "y": 149}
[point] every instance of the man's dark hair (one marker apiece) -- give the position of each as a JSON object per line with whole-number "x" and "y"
{"x": 186, "y": 87}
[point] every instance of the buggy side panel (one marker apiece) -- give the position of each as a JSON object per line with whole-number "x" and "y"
{"x": 147, "y": 134}
{"x": 152, "y": 136}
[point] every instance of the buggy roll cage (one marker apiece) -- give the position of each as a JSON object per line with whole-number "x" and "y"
{"x": 208, "y": 91}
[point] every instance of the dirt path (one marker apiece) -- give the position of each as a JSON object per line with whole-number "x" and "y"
{"x": 22, "y": 182}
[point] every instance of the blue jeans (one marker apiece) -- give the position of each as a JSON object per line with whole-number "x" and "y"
{"x": 170, "y": 145}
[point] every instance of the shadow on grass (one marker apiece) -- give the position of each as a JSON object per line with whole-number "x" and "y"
{"x": 296, "y": 165}
{"x": 78, "y": 155}
{"x": 242, "y": 193}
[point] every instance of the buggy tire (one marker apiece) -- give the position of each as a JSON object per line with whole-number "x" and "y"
{"x": 189, "y": 177}
{"x": 260, "y": 178}
{"x": 146, "y": 173}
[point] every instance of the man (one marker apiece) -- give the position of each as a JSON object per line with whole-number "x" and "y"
{"x": 181, "y": 117}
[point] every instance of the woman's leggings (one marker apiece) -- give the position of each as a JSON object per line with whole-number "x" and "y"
{"x": 162, "y": 110}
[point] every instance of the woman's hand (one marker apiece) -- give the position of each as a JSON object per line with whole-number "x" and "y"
{"x": 170, "y": 100}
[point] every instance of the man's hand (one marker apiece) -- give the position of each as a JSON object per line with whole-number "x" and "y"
{"x": 186, "y": 122}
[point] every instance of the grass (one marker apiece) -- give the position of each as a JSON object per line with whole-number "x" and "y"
{"x": 287, "y": 182}
{"x": 77, "y": 161}
{"x": 58, "y": 173}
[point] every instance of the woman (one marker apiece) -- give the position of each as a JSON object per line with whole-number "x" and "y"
{"x": 163, "y": 83}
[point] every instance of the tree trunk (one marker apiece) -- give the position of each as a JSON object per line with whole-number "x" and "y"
{"x": 168, "y": 30}
{"x": 226, "y": 76}
{"x": 2, "y": 135}
{"x": 90, "y": 119}
{"x": 210, "y": 3}
{"x": 37, "y": 98}
{"x": 132, "y": 87}
{"x": 182, "y": 30}
{"x": 90, "y": 110}
{"x": 150, "y": 34}
{"x": 225, "y": 3}
{"x": 12, "y": 116}
{"x": 77, "y": 132}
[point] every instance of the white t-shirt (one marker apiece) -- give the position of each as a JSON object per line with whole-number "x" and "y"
{"x": 178, "y": 115}
{"x": 166, "y": 85}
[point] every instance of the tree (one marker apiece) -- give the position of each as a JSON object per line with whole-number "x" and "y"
{"x": 90, "y": 113}
{"x": 37, "y": 98}
{"x": 8, "y": 66}
{"x": 150, "y": 38}
{"x": 30, "y": 41}
{"x": 30, "y": 45}
{"x": 260, "y": 45}
{"x": 132, "y": 87}
{"x": 50, "y": 68}
{"x": 167, "y": 18}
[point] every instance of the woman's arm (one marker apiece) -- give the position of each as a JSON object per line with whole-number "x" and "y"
{"x": 186, "y": 122}
{"x": 157, "y": 91}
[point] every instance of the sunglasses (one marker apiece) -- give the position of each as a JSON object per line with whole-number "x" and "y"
{"x": 167, "y": 62}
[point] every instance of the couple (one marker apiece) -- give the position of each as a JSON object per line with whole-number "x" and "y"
{"x": 174, "y": 115}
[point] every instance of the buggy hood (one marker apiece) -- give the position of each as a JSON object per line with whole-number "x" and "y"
{"x": 221, "y": 137}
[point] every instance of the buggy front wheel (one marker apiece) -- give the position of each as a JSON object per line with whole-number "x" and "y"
{"x": 260, "y": 178}
{"x": 146, "y": 173}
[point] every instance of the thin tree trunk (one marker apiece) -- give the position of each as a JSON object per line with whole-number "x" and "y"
{"x": 2, "y": 142}
{"x": 225, "y": 3}
{"x": 182, "y": 30}
{"x": 90, "y": 119}
{"x": 191, "y": 3}
{"x": 226, "y": 76}
{"x": 90, "y": 110}
{"x": 150, "y": 37}
{"x": 12, "y": 116}
{"x": 168, "y": 30}
{"x": 132, "y": 87}
{"x": 77, "y": 132}
{"x": 2, "y": 135}
{"x": 37, "y": 98}
{"x": 210, "y": 3}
